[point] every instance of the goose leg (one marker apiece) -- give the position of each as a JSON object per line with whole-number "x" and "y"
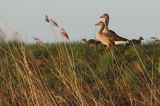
{"x": 106, "y": 47}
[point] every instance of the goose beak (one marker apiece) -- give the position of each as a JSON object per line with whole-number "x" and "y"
{"x": 102, "y": 16}
{"x": 96, "y": 24}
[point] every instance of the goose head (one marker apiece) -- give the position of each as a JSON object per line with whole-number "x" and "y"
{"x": 83, "y": 40}
{"x": 141, "y": 38}
{"x": 101, "y": 23}
{"x": 105, "y": 16}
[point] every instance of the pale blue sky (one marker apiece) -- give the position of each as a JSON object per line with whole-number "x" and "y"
{"x": 129, "y": 18}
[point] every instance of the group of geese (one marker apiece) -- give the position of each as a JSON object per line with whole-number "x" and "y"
{"x": 108, "y": 37}
{"x": 105, "y": 36}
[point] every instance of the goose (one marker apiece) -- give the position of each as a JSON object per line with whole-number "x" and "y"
{"x": 155, "y": 39}
{"x": 137, "y": 41}
{"x": 39, "y": 42}
{"x": 117, "y": 39}
{"x": 90, "y": 42}
{"x": 103, "y": 37}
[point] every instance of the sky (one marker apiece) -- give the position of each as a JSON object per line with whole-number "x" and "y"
{"x": 128, "y": 18}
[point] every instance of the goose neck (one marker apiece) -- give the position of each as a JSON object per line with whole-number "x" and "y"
{"x": 106, "y": 23}
{"x": 101, "y": 29}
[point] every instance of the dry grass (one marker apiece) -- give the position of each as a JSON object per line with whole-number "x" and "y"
{"x": 75, "y": 74}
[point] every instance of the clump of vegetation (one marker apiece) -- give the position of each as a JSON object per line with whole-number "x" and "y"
{"x": 76, "y": 74}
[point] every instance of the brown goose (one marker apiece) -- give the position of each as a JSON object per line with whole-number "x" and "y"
{"x": 136, "y": 41}
{"x": 118, "y": 40}
{"x": 39, "y": 42}
{"x": 155, "y": 39}
{"x": 103, "y": 37}
{"x": 90, "y": 42}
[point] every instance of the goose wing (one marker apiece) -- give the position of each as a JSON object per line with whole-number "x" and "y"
{"x": 115, "y": 36}
{"x": 93, "y": 41}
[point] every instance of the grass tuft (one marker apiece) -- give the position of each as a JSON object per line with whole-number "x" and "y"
{"x": 76, "y": 74}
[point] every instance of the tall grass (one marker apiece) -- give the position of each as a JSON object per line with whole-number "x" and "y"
{"x": 75, "y": 74}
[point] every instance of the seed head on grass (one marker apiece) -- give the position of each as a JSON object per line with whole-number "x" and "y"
{"x": 39, "y": 62}
{"x": 60, "y": 99}
{"x": 138, "y": 67}
{"x": 64, "y": 33}
{"x": 47, "y": 19}
{"x": 35, "y": 61}
{"x": 17, "y": 37}
{"x": 53, "y": 22}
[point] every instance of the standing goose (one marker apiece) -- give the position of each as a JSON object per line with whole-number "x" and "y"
{"x": 117, "y": 39}
{"x": 90, "y": 42}
{"x": 155, "y": 39}
{"x": 137, "y": 41}
{"x": 103, "y": 37}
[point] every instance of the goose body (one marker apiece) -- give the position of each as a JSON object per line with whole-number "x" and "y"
{"x": 117, "y": 39}
{"x": 137, "y": 41}
{"x": 103, "y": 37}
{"x": 90, "y": 42}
